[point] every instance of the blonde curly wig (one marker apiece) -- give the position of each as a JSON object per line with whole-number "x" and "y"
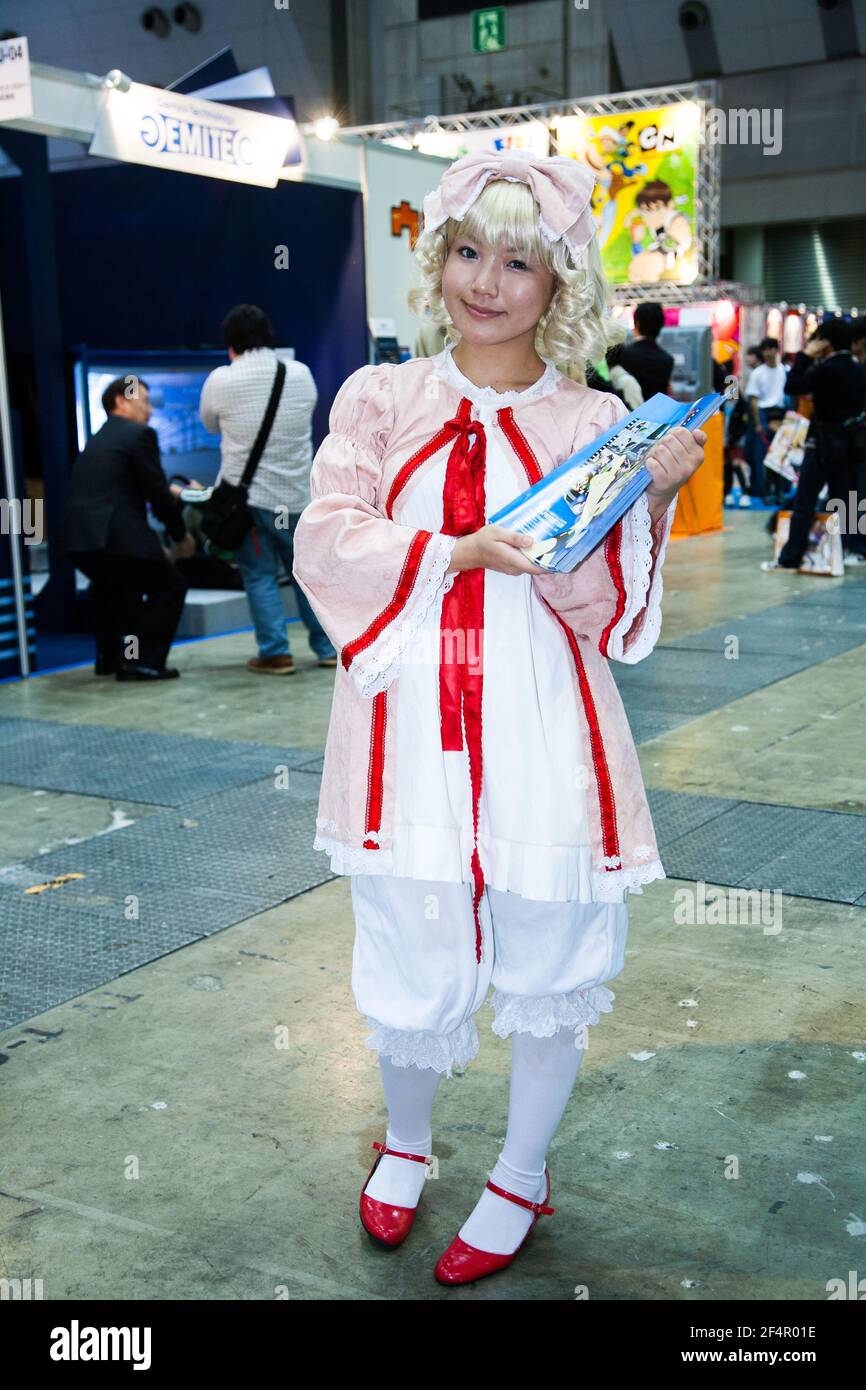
{"x": 576, "y": 328}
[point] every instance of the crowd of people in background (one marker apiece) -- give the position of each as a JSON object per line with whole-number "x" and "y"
{"x": 771, "y": 386}
{"x": 138, "y": 583}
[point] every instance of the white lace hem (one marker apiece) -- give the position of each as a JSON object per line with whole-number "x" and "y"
{"x": 643, "y": 585}
{"x": 375, "y": 668}
{"x": 607, "y": 886}
{"x": 346, "y": 859}
{"x": 546, "y": 1014}
{"x": 434, "y": 1051}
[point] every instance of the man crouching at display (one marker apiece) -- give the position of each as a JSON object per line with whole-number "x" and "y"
{"x": 137, "y": 594}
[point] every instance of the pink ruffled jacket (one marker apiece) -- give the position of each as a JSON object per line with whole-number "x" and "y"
{"x": 371, "y": 580}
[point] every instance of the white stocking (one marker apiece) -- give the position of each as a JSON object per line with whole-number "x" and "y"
{"x": 543, "y": 1073}
{"x": 409, "y": 1095}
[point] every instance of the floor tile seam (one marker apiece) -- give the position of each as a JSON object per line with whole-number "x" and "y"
{"x": 185, "y": 735}
{"x": 742, "y": 801}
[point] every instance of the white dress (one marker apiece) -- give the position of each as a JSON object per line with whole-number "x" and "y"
{"x": 533, "y": 834}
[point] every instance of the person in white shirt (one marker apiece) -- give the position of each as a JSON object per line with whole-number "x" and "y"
{"x": 233, "y": 403}
{"x": 765, "y": 391}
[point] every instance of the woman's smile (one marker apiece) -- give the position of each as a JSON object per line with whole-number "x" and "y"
{"x": 482, "y": 313}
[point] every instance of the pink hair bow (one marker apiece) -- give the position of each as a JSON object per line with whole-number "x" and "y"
{"x": 562, "y": 188}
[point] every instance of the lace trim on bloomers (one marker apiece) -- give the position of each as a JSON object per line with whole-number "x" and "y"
{"x": 374, "y": 669}
{"x": 545, "y": 1015}
{"x": 435, "y": 1051}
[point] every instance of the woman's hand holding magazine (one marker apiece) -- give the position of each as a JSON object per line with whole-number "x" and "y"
{"x": 564, "y": 516}
{"x": 672, "y": 462}
{"x": 492, "y": 548}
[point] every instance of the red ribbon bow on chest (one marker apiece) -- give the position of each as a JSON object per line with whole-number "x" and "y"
{"x": 462, "y": 622}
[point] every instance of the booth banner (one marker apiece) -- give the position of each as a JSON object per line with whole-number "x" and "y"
{"x": 16, "y": 93}
{"x": 645, "y": 164}
{"x": 533, "y": 136}
{"x": 146, "y": 125}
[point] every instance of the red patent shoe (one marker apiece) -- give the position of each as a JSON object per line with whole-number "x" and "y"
{"x": 386, "y": 1223}
{"x": 461, "y": 1263}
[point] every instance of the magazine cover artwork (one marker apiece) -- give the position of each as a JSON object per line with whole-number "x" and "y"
{"x": 785, "y": 454}
{"x": 568, "y": 512}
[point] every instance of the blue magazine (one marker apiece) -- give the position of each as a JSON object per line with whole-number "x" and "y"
{"x": 569, "y": 511}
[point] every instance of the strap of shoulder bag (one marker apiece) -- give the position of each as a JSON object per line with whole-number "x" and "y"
{"x": 265, "y": 427}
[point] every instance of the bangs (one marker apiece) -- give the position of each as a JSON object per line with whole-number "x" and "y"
{"x": 504, "y": 215}
{"x": 575, "y": 328}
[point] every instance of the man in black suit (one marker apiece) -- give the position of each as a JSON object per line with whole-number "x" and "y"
{"x": 648, "y": 363}
{"x": 107, "y": 536}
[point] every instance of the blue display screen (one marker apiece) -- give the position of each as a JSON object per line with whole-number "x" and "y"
{"x": 175, "y": 389}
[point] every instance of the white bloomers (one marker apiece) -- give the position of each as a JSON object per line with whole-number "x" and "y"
{"x": 416, "y": 980}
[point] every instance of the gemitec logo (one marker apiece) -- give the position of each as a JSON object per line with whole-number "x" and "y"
{"x": 166, "y": 134}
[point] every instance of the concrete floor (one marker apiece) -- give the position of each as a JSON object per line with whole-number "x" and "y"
{"x": 201, "y": 1127}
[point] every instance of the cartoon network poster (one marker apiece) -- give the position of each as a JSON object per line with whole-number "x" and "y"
{"x": 645, "y": 165}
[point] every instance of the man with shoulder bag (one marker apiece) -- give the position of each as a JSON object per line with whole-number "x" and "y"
{"x": 262, "y": 408}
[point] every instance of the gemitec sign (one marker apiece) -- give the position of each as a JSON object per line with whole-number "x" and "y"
{"x": 146, "y": 125}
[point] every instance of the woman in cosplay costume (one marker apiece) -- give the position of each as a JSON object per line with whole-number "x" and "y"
{"x": 481, "y": 784}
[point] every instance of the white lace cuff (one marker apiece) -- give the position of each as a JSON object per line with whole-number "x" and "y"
{"x": 643, "y": 582}
{"x": 612, "y": 885}
{"x": 375, "y": 668}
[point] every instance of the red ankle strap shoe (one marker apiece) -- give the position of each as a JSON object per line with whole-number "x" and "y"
{"x": 386, "y": 1223}
{"x": 461, "y": 1263}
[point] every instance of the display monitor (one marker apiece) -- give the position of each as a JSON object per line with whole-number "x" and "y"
{"x": 691, "y": 348}
{"x": 175, "y": 381}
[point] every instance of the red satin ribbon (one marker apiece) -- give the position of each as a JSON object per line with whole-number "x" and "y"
{"x": 462, "y": 622}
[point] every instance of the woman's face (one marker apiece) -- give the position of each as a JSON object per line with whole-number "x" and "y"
{"x": 494, "y": 294}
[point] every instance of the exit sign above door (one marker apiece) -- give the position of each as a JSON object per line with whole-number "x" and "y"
{"x": 488, "y": 30}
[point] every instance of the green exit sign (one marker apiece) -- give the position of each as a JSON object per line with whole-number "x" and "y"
{"x": 488, "y": 30}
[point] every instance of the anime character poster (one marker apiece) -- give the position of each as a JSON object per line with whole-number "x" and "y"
{"x": 645, "y": 165}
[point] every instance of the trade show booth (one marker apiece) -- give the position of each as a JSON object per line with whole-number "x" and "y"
{"x": 131, "y": 266}
{"x": 112, "y": 264}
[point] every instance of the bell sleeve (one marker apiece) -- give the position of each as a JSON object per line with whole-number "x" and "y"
{"x": 369, "y": 580}
{"x": 613, "y": 597}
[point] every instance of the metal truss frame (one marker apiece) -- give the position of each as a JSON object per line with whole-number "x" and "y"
{"x": 708, "y": 172}
{"x": 701, "y": 292}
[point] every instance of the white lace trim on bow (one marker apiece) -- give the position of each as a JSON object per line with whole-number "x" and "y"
{"x": 437, "y": 1051}
{"x": 375, "y": 668}
{"x": 546, "y": 1014}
